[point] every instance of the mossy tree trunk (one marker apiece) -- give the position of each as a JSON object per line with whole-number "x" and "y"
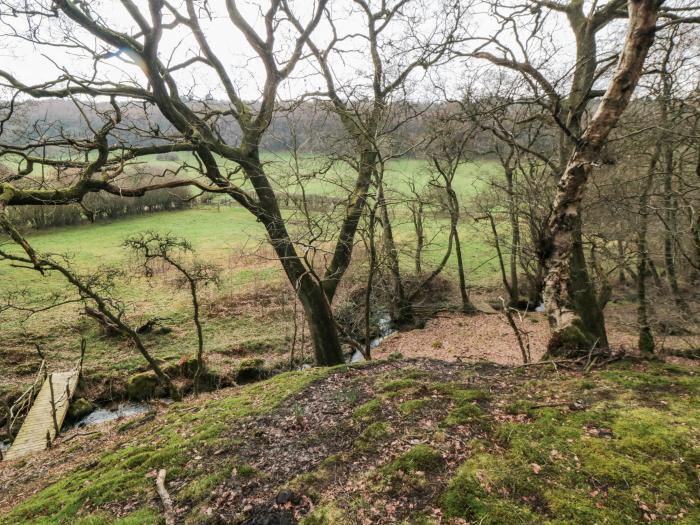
{"x": 669, "y": 200}
{"x": 572, "y": 332}
{"x": 514, "y": 236}
{"x": 319, "y": 316}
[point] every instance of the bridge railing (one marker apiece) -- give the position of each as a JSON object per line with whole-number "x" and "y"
{"x": 21, "y": 407}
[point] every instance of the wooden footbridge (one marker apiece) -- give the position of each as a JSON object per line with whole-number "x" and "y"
{"x": 46, "y": 405}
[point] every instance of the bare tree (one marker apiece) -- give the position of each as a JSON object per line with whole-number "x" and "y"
{"x": 571, "y": 333}
{"x": 373, "y": 107}
{"x": 153, "y": 246}
{"x": 448, "y": 152}
{"x": 98, "y": 162}
{"x": 94, "y": 288}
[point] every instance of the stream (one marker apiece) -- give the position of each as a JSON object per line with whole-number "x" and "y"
{"x": 102, "y": 415}
{"x": 128, "y": 409}
{"x": 386, "y": 328}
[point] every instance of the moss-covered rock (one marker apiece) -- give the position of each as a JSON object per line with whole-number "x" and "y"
{"x": 209, "y": 380}
{"x": 188, "y": 366}
{"x": 570, "y": 341}
{"x": 142, "y": 386}
{"x": 250, "y": 370}
{"x": 79, "y": 408}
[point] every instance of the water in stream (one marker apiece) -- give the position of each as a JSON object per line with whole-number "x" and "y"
{"x": 102, "y": 415}
{"x": 386, "y": 328}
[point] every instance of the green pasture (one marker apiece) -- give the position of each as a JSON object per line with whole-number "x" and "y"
{"x": 227, "y": 235}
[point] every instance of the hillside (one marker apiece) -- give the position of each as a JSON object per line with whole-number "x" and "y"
{"x": 397, "y": 441}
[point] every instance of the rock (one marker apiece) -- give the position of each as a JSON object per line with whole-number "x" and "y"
{"x": 210, "y": 380}
{"x": 142, "y": 386}
{"x": 188, "y": 366}
{"x": 79, "y": 408}
{"x": 250, "y": 370}
{"x": 287, "y": 496}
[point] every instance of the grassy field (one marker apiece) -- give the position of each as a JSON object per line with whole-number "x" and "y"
{"x": 226, "y": 235}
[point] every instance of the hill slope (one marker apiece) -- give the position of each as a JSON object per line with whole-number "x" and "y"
{"x": 413, "y": 441}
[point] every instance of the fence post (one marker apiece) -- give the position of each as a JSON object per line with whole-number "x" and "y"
{"x": 53, "y": 405}
{"x": 83, "y": 347}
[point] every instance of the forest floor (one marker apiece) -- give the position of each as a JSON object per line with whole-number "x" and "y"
{"x": 470, "y": 338}
{"x": 390, "y": 441}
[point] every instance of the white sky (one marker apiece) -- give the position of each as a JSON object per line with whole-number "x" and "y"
{"x": 34, "y": 64}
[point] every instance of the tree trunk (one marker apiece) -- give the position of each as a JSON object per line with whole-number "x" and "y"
{"x": 499, "y": 255}
{"x": 319, "y": 316}
{"x": 670, "y": 228}
{"x": 646, "y": 337}
{"x": 467, "y": 306}
{"x": 420, "y": 235}
{"x": 342, "y": 254}
{"x": 583, "y": 292}
{"x": 400, "y": 307}
{"x": 669, "y": 201}
{"x": 571, "y": 334}
{"x": 371, "y": 231}
{"x": 695, "y": 232}
{"x": 515, "y": 239}
{"x": 322, "y": 328}
{"x": 621, "y": 278}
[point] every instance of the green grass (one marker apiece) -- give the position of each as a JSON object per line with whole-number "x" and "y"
{"x": 226, "y": 235}
{"x": 630, "y": 455}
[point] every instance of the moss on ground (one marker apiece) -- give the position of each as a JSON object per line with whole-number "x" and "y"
{"x": 619, "y": 445}
{"x": 617, "y": 461}
{"x": 367, "y": 410}
{"x": 327, "y": 515}
{"x": 120, "y": 475}
{"x": 463, "y": 414}
{"x": 372, "y": 436}
{"x": 423, "y": 458}
{"x": 413, "y": 406}
{"x": 399, "y": 384}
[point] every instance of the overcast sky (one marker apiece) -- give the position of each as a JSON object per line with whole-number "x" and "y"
{"x": 33, "y": 64}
